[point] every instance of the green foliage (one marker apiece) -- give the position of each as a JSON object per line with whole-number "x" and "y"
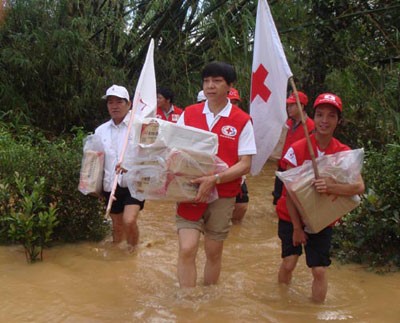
{"x": 370, "y": 116}
{"x": 49, "y": 71}
{"x": 79, "y": 217}
{"x": 371, "y": 233}
{"x": 58, "y": 57}
{"x": 30, "y": 221}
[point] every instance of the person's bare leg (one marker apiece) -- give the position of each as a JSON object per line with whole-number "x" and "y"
{"x": 212, "y": 268}
{"x": 286, "y": 269}
{"x": 188, "y": 246}
{"x": 131, "y": 228}
{"x": 239, "y": 212}
{"x": 319, "y": 284}
{"x": 117, "y": 227}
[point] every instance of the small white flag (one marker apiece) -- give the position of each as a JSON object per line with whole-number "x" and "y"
{"x": 270, "y": 74}
{"x": 145, "y": 98}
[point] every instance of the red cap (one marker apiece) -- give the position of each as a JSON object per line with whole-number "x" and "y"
{"x": 329, "y": 98}
{"x": 302, "y": 98}
{"x": 233, "y": 94}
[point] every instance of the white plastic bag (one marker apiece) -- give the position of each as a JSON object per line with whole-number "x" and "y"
{"x": 166, "y": 174}
{"x": 320, "y": 210}
{"x": 91, "y": 175}
{"x": 154, "y": 132}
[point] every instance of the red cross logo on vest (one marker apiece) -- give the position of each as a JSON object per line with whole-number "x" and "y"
{"x": 229, "y": 131}
{"x": 257, "y": 84}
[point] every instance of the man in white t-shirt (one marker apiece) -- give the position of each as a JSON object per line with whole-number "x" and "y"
{"x": 125, "y": 209}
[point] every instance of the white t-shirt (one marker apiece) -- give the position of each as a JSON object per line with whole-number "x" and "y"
{"x": 113, "y": 139}
{"x": 290, "y": 156}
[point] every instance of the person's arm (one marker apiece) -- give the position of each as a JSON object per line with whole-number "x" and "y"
{"x": 329, "y": 186}
{"x": 207, "y": 183}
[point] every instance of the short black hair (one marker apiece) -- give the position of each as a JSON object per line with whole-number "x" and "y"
{"x": 222, "y": 69}
{"x": 166, "y": 93}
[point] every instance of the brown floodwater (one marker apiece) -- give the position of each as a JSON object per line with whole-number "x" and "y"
{"x": 98, "y": 282}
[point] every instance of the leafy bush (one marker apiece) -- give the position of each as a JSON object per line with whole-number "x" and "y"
{"x": 371, "y": 233}
{"x": 30, "y": 221}
{"x": 31, "y": 154}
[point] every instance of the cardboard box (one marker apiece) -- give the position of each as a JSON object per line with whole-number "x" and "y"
{"x": 320, "y": 210}
{"x": 191, "y": 163}
{"x": 160, "y": 133}
{"x": 91, "y": 175}
{"x": 165, "y": 157}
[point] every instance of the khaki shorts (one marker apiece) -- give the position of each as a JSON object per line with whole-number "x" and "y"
{"x": 215, "y": 222}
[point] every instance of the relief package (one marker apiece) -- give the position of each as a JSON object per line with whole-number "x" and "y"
{"x": 154, "y": 132}
{"x": 168, "y": 157}
{"x": 91, "y": 175}
{"x": 320, "y": 210}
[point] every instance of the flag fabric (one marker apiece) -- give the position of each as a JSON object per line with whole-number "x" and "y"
{"x": 270, "y": 74}
{"x": 145, "y": 99}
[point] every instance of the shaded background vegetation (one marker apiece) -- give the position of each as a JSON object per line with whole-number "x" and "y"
{"x": 57, "y": 57}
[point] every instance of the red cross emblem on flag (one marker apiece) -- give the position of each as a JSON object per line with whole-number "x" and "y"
{"x": 257, "y": 84}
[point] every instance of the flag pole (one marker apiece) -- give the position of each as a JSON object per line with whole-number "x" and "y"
{"x": 135, "y": 103}
{"x": 303, "y": 122}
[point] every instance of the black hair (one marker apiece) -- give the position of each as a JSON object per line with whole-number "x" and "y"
{"x": 222, "y": 69}
{"x": 166, "y": 93}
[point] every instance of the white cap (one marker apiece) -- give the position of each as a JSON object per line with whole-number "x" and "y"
{"x": 201, "y": 97}
{"x": 117, "y": 90}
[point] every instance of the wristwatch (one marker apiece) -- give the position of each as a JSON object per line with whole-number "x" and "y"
{"x": 218, "y": 178}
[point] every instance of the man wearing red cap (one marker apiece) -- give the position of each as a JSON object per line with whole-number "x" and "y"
{"x": 295, "y": 132}
{"x": 242, "y": 199}
{"x": 234, "y": 97}
{"x": 291, "y": 230}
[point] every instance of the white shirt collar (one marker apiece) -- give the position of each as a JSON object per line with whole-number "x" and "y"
{"x": 223, "y": 113}
{"x": 124, "y": 122}
{"x": 171, "y": 109}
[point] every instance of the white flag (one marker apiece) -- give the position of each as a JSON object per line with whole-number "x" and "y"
{"x": 145, "y": 99}
{"x": 270, "y": 74}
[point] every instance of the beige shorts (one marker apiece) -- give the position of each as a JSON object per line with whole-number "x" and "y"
{"x": 215, "y": 222}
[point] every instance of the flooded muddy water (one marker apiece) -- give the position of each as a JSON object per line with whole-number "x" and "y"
{"x": 98, "y": 282}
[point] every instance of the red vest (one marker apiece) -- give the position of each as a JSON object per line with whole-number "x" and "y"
{"x": 302, "y": 154}
{"x": 228, "y": 131}
{"x": 293, "y": 135}
{"x": 172, "y": 117}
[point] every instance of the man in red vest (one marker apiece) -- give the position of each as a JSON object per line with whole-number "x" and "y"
{"x": 166, "y": 110}
{"x": 236, "y": 147}
{"x": 295, "y": 132}
{"x": 291, "y": 230}
{"x": 242, "y": 199}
